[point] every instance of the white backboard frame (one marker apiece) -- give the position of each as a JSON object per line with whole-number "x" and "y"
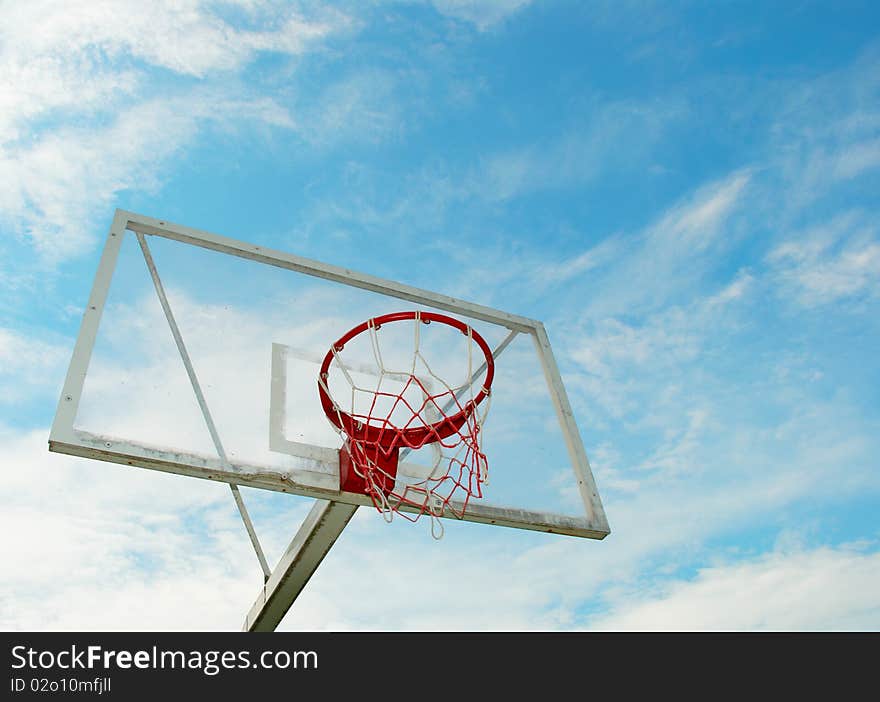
{"x": 64, "y": 438}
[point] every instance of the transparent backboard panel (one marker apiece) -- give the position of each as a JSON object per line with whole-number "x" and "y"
{"x": 238, "y": 317}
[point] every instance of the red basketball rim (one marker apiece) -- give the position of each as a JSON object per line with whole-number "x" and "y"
{"x": 414, "y": 436}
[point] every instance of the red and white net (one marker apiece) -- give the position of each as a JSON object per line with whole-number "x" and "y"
{"x": 387, "y": 409}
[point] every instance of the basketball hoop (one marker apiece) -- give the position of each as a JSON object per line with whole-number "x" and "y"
{"x": 404, "y": 419}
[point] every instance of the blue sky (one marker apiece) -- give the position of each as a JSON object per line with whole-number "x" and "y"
{"x": 685, "y": 193}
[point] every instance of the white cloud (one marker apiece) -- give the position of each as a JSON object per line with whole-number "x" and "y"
{"x": 629, "y": 365}
{"x": 692, "y": 225}
{"x": 79, "y": 55}
{"x": 678, "y": 249}
{"x": 823, "y": 138}
{"x": 360, "y": 107}
{"x": 29, "y": 368}
{"x": 482, "y": 13}
{"x": 834, "y": 262}
{"x": 670, "y": 259}
{"x": 138, "y": 549}
{"x": 81, "y": 117}
{"x": 598, "y": 257}
{"x": 817, "y": 590}
{"x": 718, "y": 472}
{"x": 644, "y": 315}
{"x": 621, "y": 275}
{"x": 605, "y": 138}
{"x": 34, "y": 85}
{"x": 736, "y": 290}
{"x": 51, "y": 187}
{"x": 857, "y": 158}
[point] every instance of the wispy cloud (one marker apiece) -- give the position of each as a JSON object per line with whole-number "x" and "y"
{"x": 51, "y": 186}
{"x": 629, "y": 273}
{"x": 482, "y": 13}
{"x": 670, "y": 257}
{"x": 837, "y": 261}
{"x": 78, "y": 123}
{"x": 361, "y": 107}
{"x": 609, "y": 137}
{"x": 130, "y": 536}
{"x": 79, "y": 55}
{"x": 631, "y": 366}
{"x": 28, "y": 367}
{"x": 824, "y": 138}
{"x": 781, "y": 591}
{"x": 857, "y": 158}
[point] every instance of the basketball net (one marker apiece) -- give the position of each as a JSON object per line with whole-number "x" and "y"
{"x": 422, "y": 410}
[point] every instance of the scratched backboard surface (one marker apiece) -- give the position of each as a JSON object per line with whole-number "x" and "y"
{"x": 252, "y": 327}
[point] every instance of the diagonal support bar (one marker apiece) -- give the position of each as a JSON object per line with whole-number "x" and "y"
{"x": 200, "y": 397}
{"x": 315, "y": 537}
{"x": 249, "y": 527}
